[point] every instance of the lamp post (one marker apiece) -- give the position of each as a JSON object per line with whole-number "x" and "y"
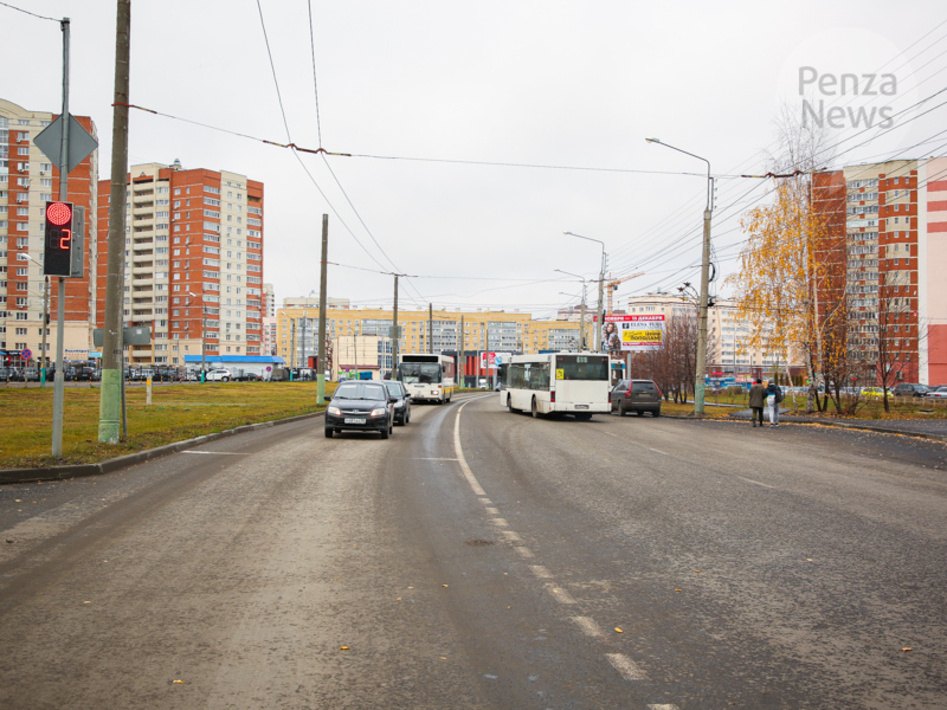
{"x": 582, "y": 313}
{"x": 203, "y": 336}
{"x": 601, "y": 287}
{"x": 701, "y": 369}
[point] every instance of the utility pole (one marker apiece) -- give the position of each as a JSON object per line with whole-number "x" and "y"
{"x": 394, "y": 334}
{"x": 305, "y": 362}
{"x": 110, "y": 402}
{"x": 321, "y": 375}
{"x": 430, "y": 328}
{"x": 461, "y": 360}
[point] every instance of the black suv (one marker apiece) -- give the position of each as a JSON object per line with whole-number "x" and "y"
{"x": 360, "y": 406}
{"x": 638, "y": 396}
{"x": 910, "y": 389}
{"x": 402, "y": 403}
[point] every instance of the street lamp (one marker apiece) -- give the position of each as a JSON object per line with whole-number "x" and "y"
{"x": 701, "y": 369}
{"x": 582, "y": 313}
{"x": 601, "y": 286}
{"x": 203, "y": 336}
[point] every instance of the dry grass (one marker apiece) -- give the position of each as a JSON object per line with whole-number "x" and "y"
{"x": 177, "y": 412}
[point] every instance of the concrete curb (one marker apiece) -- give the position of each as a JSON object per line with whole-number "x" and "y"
{"x": 59, "y": 473}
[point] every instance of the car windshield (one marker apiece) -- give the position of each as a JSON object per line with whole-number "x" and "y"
{"x": 394, "y": 388}
{"x": 360, "y": 391}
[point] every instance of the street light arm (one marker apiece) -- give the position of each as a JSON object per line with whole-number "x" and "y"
{"x": 710, "y": 180}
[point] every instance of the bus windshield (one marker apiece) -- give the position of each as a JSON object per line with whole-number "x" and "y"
{"x": 420, "y": 372}
{"x": 582, "y": 367}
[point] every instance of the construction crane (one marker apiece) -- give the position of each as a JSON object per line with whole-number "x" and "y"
{"x": 613, "y": 286}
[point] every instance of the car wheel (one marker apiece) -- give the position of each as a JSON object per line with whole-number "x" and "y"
{"x": 386, "y": 432}
{"x": 621, "y": 410}
{"x": 640, "y": 412}
{"x": 329, "y": 432}
{"x": 656, "y": 413}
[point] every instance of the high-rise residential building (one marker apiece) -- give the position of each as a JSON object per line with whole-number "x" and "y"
{"x": 193, "y": 262}
{"x": 882, "y": 263}
{"x": 28, "y": 179}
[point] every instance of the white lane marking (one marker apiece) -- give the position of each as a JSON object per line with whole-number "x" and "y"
{"x": 524, "y": 552}
{"x": 490, "y": 510}
{"x": 500, "y": 522}
{"x": 540, "y": 572}
{"x": 422, "y": 458}
{"x": 663, "y": 706}
{"x": 214, "y": 453}
{"x": 560, "y": 594}
{"x": 589, "y": 627}
{"x": 755, "y": 483}
{"x": 658, "y": 451}
{"x": 485, "y": 500}
{"x": 512, "y": 536}
{"x": 468, "y": 474}
{"x": 626, "y": 666}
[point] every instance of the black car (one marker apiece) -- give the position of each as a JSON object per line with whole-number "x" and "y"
{"x": 360, "y": 406}
{"x": 911, "y": 389}
{"x": 402, "y": 403}
{"x": 638, "y": 396}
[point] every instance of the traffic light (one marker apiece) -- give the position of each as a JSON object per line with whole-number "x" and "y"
{"x": 57, "y": 260}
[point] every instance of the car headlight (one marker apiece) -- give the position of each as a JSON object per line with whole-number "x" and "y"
{"x": 334, "y": 411}
{"x": 399, "y": 405}
{"x": 379, "y": 412}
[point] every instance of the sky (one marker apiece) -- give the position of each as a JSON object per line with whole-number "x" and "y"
{"x": 463, "y": 141}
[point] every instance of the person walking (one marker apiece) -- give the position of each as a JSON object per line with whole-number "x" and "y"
{"x": 774, "y": 396}
{"x": 757, "y": 398}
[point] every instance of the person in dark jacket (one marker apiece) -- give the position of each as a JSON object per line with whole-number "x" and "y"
{"x": 757, "y": 400}
{"x": 774, "y": 396}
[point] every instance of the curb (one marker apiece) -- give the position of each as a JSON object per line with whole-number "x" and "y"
{"x": 59, "y": 473}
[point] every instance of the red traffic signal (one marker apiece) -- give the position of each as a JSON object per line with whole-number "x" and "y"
{"x": 57, "y": 259}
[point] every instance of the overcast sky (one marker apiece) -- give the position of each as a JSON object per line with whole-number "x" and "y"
{"x": 481, "y": 132}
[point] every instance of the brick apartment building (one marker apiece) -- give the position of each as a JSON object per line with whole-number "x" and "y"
{"x": 27, "y": 180}
{"x": 193, "y": 262}
{"x": 883, "y": 259}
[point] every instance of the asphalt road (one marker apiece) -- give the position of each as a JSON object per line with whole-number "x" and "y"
{"x": 480, "y": 559}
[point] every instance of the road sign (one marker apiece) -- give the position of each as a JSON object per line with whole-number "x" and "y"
{"x": 81, "y": 143}
{"x": 26, "y": 353}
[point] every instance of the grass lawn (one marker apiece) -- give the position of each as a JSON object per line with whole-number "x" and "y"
{"x": 177, "y": 412}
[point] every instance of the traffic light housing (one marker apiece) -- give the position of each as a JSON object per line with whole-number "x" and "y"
{"x": 57, "y": 260}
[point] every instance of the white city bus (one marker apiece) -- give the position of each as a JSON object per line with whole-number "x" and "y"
{"x": 570, "y": 383}
{"x": 427, "y": 377}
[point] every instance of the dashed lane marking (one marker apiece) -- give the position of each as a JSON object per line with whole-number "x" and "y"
{"x": 627, "y": 667}
{"x": 589, "y": 627}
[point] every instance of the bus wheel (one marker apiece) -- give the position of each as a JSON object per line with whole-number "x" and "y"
{"x": 509, "y": 404}
{"x": 535, "y": 409}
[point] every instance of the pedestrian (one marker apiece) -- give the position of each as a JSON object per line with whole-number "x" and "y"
{"x": 774, "y": 395}
{"x": 757, "y": 397}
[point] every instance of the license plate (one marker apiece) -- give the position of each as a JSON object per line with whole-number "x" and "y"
{"x": 349, "y": 420}
{"x": 581, "y": 406}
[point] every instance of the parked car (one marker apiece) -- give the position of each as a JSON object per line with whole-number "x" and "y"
{"x": 939, "y": 393}
{"x": 638, "y": 396}
{"x": 874, "y": 392}
{"x": 360, "y": 406}
{"x": 402, "y": 403}
{"x": 218, "y": 374}
{"x": 910, "y": 389}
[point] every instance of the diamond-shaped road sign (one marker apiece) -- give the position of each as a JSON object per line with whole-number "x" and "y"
{"x": 81, "y": 143}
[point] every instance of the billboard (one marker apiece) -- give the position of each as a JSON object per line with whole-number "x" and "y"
{"x": 628, "y": 334}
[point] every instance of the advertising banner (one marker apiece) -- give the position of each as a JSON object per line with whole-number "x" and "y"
{"x": 633, "y": 333}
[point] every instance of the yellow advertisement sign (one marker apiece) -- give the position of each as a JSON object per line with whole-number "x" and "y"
{"x": 642, "y": 336}
{"x": 560, "y": 374}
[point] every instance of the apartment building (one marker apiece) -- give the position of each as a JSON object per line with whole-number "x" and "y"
{"x": 883, "y": 257}
{"x": 27, "y": 180}
{"x": 419, "y": 331}
{"x": 727, "y": 351}
{"x": 193, "y": 262}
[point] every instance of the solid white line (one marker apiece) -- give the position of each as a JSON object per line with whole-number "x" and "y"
{"x": 468, "y": 474}
{"x": 626, "y": 666}
{"x": 214, "y": 453}
{"x": 419, "y": 458}
{"x": 589, "y": 627}
{"x": 755, "y": 483}
{"x": 663, "y": 706}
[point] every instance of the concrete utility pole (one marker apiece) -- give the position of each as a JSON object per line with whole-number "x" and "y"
{"x": 110, "y": 398}
{"x": 430, "y": 328}
{"x": 394, "y": 334}
{"x": 461, "y": 360}
{"x": 701, "y": 369}
{"x": 323, "y": 360}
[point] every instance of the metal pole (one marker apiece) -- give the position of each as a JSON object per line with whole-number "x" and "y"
{"x": 110, "y": 398}
{"x": 461, "y": 360}
{"x": 600, "y": 317}
{"x": 699, "y": 389}
{"x": 582, "y": 321}
{"x": 430, "y": 328}
{"x": 321, "y": 375}
{"x": 44, "y": 362}
{"x": 59, "y": 385}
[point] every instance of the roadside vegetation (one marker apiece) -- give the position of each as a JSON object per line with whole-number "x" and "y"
{"x": 177, "y": 412}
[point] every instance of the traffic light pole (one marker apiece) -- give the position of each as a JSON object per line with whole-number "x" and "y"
{"x": 59, "y": 386}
